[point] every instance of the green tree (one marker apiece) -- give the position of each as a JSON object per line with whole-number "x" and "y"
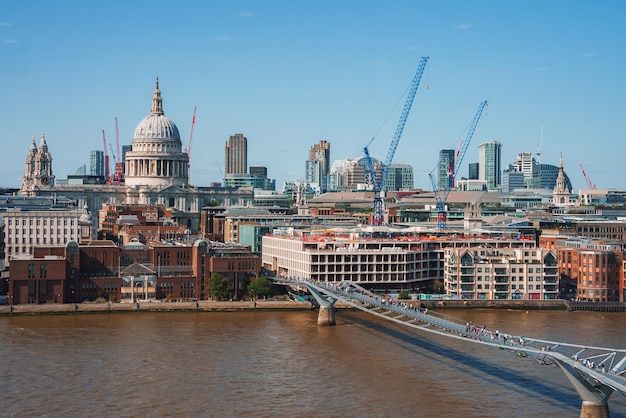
{"x": 404, "y": 295}
{"x": 259, "y": 288}
{"x": 217, "y": 287}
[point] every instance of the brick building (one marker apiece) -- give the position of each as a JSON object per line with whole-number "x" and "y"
{"x": 593, "y": 269}
{"x": 101, "y": 269}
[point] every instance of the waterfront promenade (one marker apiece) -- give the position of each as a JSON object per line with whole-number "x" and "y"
{"x": 271, "y": 304}
{"x": 201, "y": 306}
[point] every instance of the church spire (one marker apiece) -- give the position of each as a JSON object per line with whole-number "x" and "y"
{"x": 560, "y": 193}
{"x": 43, "y": 147}
{"x": 157, "y": 102}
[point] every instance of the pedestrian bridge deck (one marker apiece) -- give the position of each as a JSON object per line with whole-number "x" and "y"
{"x": 597, "y": 371}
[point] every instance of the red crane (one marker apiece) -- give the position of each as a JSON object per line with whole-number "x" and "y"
{"x": 188, "y": 150}
{"x": 107, "y": 173}
{"x": 118, "y": 160}
{"x": 590, "y": 184}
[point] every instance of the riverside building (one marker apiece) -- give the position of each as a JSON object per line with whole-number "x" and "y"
{"x": 167, "y": 270}
{"x": 504, "y": 273}
{"x": 381, "y": 262}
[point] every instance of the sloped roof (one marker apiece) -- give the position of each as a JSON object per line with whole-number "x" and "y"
{"x": 137, "y": 269}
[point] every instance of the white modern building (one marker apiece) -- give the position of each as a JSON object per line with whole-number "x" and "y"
{"x": 26, "y": 229}
{"x": 397, "y": 262}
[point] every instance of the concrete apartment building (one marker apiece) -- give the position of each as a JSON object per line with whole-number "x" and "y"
{"x": 382, "y": 262}
{"x": 26, "y": 229}
{"x": 507, "y": 273}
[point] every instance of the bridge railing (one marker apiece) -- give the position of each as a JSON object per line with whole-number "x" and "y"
{"x": 595, "y": 359}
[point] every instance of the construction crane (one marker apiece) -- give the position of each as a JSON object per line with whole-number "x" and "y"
{"x": 118, "y": 161}
{"x": 188, "y": 150}
{"x": 378, "y": 179}
{"x": 539, "y": 147}
{"x": 442, "y": 196}
{"x": 590, "y": 184}
{"x": 107, "y": 173}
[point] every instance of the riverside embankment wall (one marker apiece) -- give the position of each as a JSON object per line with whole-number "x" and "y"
{"x": 207, "y": 306}
{"x": 210, "y": 306}
{"x": 525, "y": 305}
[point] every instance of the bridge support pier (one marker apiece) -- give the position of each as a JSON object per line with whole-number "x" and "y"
{"x": 594, "y": 410}
{"x": 326, "y": 316}
{"x": 595, "y": 395}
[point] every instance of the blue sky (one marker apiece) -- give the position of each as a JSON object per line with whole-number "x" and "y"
{"x": 288, "y": 74}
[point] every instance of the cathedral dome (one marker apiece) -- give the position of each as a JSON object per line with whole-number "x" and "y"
{"x": 156, "y": 127}
{"x": 156, "y": 158}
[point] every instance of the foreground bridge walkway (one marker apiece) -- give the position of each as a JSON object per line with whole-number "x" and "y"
{"x": 595, "y": 372}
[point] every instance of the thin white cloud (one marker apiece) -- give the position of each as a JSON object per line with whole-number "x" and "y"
{"x": 223, "y": 38}
{"x": 10, "y": 41}
{"x": 246, "y": 14}
{"x": 590, "y": 54}
{"x": 542, "y": 68}
{"x": 463, "y": 26}
{"x": 6, "y": 24}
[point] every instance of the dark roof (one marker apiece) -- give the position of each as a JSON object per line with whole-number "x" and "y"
{"x": 137, "y": 269}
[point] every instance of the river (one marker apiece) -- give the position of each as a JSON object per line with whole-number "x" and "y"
{"x": 269, "y": 363}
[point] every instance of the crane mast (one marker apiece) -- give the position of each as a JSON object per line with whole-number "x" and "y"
{"x": 590, "y": 184}
{"x": 379, "y": 180}
{"x": 107, "y": 173}
{"x": 188, "y": 150}
{"x": 118, "y": 163}
{"x": 442, "y": 197}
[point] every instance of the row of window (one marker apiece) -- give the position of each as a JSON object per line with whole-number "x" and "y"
{"x": 513, "y": 270}
{"x": 514, "y": 287}
{"x": 242, "y": 265}
{"x": 37, "y": 240}
{"x": 40, "y": 231}
{"x": 40, "y": 221}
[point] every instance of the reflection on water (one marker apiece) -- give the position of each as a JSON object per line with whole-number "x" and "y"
{"x": 283, "y": 364}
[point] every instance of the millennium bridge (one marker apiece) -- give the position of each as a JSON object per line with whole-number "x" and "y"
{"x": 595, "y": 372}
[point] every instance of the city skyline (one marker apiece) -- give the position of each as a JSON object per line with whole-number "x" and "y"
{"x": 290, "y": 75}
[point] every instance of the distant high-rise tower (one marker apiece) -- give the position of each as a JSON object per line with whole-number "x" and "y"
{"x": 472, "y": 171}
{"x": 525, "y": 163}
{"x": 317, "y": 167}
{"x": 96, "y": 163}
{"x": 489, "y": 163}
{"x": 445, "y": 168}
{"x": 399, "y": 177}
{"x": 236, "y": 155}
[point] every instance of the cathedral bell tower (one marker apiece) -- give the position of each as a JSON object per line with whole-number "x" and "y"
{"x": 38, "y": 170}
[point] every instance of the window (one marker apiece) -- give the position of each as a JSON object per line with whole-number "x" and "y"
{"x": 31, "y": 271}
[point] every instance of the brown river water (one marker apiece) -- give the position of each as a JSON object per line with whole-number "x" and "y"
{"x": 281, "y": 364}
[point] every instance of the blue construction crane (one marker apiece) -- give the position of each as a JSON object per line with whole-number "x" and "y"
{"x": 378, "y": 179}
{"x": 442, "y": 197}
